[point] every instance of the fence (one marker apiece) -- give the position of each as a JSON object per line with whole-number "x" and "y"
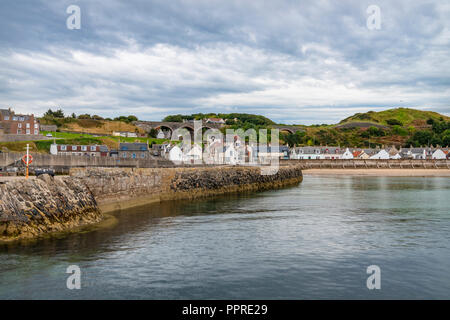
{"x": 371, "y": 164}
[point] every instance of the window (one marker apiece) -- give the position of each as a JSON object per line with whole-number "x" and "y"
{"x": 15, "y": 118}
{"x": 36, "y": 126}
{"x": 36, "y": 131}
{"x": 74, "y": 148}
{"x": 19, "y": 131}
{"x": 21, "y": 119}
{"x": 28, "y": 131}
{"x": 93, "y": 148}
{"x": 28, "y": 125}
{"x": 142, "y": 155}
{"x": 84, "y": 148}
{"x": 63, "y": 148}
{"x": 6, "y": 118}
{"x": 19, "y": 125}
{"x": 124, "y": 155}
{"x": 133, "y": 155}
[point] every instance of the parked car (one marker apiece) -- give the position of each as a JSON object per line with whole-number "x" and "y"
{"x": 49, "y": 135}
{"x": 41, "y": 171}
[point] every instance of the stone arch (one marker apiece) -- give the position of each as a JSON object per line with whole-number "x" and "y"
{"x": 168, "y": 131}
{"x": 286, "y": 130}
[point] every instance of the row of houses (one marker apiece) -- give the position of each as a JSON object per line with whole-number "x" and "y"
{"x": 236, "y": 152}
{"x": 331, "y": 153}
{"x": 125, "y": 151}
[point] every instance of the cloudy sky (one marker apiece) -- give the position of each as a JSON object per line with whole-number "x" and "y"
{"x": 293, "y": 61}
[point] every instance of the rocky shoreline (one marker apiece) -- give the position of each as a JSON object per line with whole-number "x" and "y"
{"x": 30, "y": 208}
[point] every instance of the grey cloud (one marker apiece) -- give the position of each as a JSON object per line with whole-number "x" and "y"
{"x": 290, "y": 60}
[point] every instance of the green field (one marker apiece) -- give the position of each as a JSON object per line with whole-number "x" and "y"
{"x": 73, "y": 139}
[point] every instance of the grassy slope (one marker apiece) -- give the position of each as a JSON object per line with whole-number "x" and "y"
{"x": 72, "y": 139}
{"x": 405, "y": 115}
{"x": 411, "y": 120}
{"x": 92, "y": 126}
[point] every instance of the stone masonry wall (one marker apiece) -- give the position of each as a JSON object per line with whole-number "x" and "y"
{"x": 122, "y": 188}
{"x": 29, "y": 208}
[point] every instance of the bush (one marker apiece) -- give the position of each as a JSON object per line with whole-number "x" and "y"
{"x": 394, "y": 122}
{"x": 153, "y": 133}
{"x": 128, "y": 119}
{"x": 398, "y": 130}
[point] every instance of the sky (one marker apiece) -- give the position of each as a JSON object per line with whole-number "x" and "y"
{"x": 296, "y": 62}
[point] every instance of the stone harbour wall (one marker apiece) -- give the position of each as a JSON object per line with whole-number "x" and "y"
{"x": 32, "y": 207}
{"x": 29, "y": 208}
{"x": 122, "y": 188}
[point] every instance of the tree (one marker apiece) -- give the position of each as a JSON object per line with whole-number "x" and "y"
{"x": 54, "y": 114}
{"x": 132, "y": 118}
{"x": 128, "y": 119}
{"x": 420, "y": 138}
{"x": 84, "y": 116}
{"x": 153, "y": 133}
{"x": 96, "y": 117}
{"x": 446, "y": 138}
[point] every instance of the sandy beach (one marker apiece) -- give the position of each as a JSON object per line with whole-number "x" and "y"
{"x": 380, "y": 172}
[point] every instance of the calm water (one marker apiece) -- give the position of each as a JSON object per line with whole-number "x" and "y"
{"x": 311, "y": 241}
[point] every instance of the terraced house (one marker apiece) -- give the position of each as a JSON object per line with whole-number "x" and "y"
{"x": 135, "y": 150}
{"x": 20, "y": 124}
{"x": 79, "y": 150}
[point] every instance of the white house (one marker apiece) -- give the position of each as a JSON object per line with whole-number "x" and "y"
{"x": 231, "y": 155}
{"x": 215, "y": 120}
{"x": 347, "y": 154}
{"x": 438, "y": 154}
{"x": 124, "y": 134}
{"x": 54, "y": 149}
{"x": 175, "y": 154}
{"x": 395, "y": 156}
{"x": 160, "y": 135}
{"x": 307, "y": 153}
{"x": 195, "y": 154}
{"x": 418, "y": 153}
{"x": 382, "y": 154}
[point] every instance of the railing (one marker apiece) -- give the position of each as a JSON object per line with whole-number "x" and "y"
{"x": 371, "y": 164}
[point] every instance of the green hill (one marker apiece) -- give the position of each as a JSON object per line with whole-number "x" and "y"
{"x": 399, "y": 127}
{"x": 230, "y": 118}
{"x": 397, "y": 116}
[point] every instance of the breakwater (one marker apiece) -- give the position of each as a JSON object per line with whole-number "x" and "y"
{"x": 33, "y": 207}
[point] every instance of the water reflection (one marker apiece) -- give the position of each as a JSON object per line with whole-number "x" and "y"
{"x": 310, "y": 241}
